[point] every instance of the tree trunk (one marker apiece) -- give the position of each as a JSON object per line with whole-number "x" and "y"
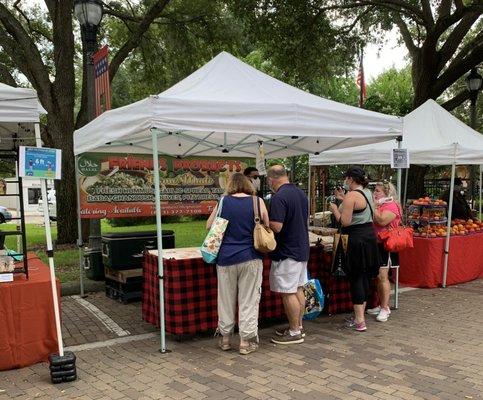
{"x": 416, "y": 181}
{"x": 423, "y": 76}
{"x": 61, "y": 128}
{"x": 67, "y": 201}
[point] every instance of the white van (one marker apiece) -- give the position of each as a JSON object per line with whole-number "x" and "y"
{"x": 51, "y": 198}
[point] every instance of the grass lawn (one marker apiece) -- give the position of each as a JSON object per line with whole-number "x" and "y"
{"x": 187, "y": 234}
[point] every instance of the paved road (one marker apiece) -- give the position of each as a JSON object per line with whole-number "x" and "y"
{"x": 431, "y": 348}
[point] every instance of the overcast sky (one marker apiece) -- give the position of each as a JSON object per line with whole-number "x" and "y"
{"x": 391, "y": 54}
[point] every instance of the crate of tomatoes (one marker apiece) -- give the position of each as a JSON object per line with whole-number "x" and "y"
{"x": 465, "y": 227}
{"x": 459, "y": 227}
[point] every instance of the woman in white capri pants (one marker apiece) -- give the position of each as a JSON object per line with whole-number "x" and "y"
{"x": 239, "y": 266}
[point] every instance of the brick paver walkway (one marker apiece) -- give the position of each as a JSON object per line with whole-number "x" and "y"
{"x": 80, "y": 325}
{"x": 431, "y": 348}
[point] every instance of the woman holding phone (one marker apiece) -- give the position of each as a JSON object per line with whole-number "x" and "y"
{"x": 355, "y": 215}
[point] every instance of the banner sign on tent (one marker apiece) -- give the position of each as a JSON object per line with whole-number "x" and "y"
{"x": 120, "y": 185}
{"x": 260, "y": 162}
{"x": 399, "y": 158}
{"x": 40, "y": 162}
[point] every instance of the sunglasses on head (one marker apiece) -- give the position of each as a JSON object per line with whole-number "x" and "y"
{"x": 383, "y": 183}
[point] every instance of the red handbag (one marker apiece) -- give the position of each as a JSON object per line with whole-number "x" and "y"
{"x": 397, "y": 239}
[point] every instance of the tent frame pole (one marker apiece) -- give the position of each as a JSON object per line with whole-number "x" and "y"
{"x": 399, "y": 173}
{"x": 309, "y": 198}
{"x": 450, "y": 214}
{"x": 159, "y": 234}
{"x": 405, "y": 187}
{"x": 481, "y": 179}
{"x": 80, "y": 242}
{"x": 50, "y": 251}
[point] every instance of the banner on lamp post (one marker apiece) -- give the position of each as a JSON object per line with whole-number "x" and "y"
{"x": 101, "y": 82}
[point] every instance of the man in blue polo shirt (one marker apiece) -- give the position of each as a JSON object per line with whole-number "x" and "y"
{"x": 288, "y": 274}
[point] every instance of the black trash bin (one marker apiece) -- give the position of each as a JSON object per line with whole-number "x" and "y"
{"x": 122, "y": 250}
{"x": 93, "y": 264}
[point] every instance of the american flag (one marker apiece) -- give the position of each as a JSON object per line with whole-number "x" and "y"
{"x": 102, "y": 87}
{"x": 361, "y": 82}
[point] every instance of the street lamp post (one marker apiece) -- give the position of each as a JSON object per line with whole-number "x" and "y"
{"x": 474, "y": 82}
{"x": 89, "y": 14}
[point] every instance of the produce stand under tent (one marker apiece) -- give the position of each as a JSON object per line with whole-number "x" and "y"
{"x": 30, "y": 329}
{"x": 191, "y": 303}
{"x": 227, "y": 108}
{"x": 433, "y": 137}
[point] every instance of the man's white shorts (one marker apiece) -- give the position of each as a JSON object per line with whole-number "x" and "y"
{"x": 286, "y": 276}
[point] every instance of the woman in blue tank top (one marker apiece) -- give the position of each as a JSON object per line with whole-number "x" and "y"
{"x": 239, "y": 265}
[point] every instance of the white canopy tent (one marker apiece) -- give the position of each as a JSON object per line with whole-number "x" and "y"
{"x": 228, "y": 106}
{"x": 433, "y": 136}
{"x": 225, "y": 109}
{"x": 20, "y": 111}
{"x": 19, "y": 105}
{"x": 430, "y": 133}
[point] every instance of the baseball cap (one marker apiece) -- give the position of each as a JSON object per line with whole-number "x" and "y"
{"x": 355, "y": 172}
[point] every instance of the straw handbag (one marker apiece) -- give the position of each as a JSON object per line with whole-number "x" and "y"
{"x": 263, "y": 236}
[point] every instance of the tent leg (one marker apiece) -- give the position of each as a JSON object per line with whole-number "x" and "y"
{"x": 481, "y": 179}
{"x": 405, "y": 187}
{"x": 17, "y": 205}
{"x": 448, "y": 227}
{"x": 80, "y": 243}
{"x": 159, "y": 232}
{"x": 309, "y": 197}
{"x": 396, "y": 289}
{"x": 399, "y": 174}
{"x": 50, "y": 253}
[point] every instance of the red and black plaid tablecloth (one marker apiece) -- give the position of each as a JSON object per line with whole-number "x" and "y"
{"x": 190, "y": 291}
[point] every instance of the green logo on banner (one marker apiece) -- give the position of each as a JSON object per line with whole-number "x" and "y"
{"x": 88, "y": 166}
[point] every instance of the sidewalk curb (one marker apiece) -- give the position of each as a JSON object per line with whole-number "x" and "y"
{"x": 73, "y": 288}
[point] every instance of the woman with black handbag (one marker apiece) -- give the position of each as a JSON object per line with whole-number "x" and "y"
{"x": 355, "y": 214}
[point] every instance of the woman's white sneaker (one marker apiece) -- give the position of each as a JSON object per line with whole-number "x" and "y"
{"x": 374, "y": 311}
{"x": 383, "y": 315}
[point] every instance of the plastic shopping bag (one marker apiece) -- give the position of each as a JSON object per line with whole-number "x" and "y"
{"x": 314, "y": 299}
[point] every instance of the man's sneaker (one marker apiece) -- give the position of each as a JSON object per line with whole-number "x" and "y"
{"x": 287, "y": 338}
{"x": 383, "y": 315}
{"x": 374, "y": 311}
{"x": 284, "y": 331}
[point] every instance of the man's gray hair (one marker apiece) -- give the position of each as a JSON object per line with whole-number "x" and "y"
{"x": 277, "y": 172}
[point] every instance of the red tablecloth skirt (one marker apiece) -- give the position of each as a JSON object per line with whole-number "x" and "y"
{"x": 27, "y": 324}
{"x": 422, "y": 266}
{"x": 190, "y": 290}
